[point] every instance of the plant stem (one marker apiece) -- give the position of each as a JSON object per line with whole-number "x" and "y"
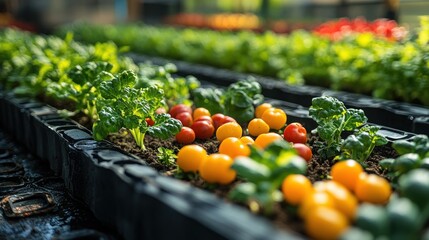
{"x": 138, "y": 137}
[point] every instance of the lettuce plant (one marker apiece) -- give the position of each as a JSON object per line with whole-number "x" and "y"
{"x": 123, "y": 106}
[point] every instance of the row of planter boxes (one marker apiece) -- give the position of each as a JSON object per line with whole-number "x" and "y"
{"x": 398, "y": 115}
{"x": 124, "y": 192}
{"x": 121, "y": 189}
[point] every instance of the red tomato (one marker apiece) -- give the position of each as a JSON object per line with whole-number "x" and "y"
{"x": 204, "y": 118}
{"x": 178, "y": 109}
{"x": 203, "y": 129}
{"x": 185, "y": 118}
{"x": 150, "y": 122}
{"x": 217, "y": 119}
{"x": 295, "y": 133}
{"x": 228, "y": 119}
{"x": 185, "y": 136}
{"x": 303, "y": 150}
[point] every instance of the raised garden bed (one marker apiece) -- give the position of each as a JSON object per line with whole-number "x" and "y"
{"x": 127, "y": 192}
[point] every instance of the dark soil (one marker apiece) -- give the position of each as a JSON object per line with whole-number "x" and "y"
{"x": 284, "y": 215}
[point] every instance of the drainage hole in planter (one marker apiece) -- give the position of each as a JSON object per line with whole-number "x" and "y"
{"x": 27, "y": 204}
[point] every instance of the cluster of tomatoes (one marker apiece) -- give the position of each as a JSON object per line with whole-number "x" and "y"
{"x": 328, "y": 207}
{"x": 338, "y": 29}
{"x": 264, "y": 129}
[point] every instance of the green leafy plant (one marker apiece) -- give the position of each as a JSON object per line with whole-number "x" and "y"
{"x": 82, "y": 89}
{"x": 124, "y": 106}
{"x": 166, "y": 156}
{"x": 264, "y": 172}
{"x": 359, "y": 146}
{"x": 333, "y": 118}
{"x": 176, "y": 89}
{"x": 413, "y": 153}
{"x": 237, "y": 101}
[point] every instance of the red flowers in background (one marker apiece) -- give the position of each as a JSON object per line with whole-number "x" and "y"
{"x": 338, "y": 29}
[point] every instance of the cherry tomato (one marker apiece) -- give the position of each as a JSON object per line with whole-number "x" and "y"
{"x": 185, "y": 118}
{"x": 216, "y": 168}
{"x": 204, "y": 118}
{"x": 259, "y": 110}
{"x": 344, "y": 200}
{"x": 295, "y": 133}
{"x": 275, "y": 118}
{"x": 325, "y": 223}
{"x": 185, "y": 136}
{"x": 257, "y": 126}
{"x": 218, "y": 119}
{"x": 190, "y": 157}
{"x": 150, "y": 122}
{"x": 373, "y": 189}
{"x": 199, "y": 112}
{"x": 265, "y": 139}
{"x": 228, "y": 119}
{"x": 247, "y": 140}
{"x": 203, "y": 129}
{"x": 178, "y": 109}
{"x": 231, "y": 129}
{"x": 295, "y": 187}
{"x": 303, "y": 150}
{"x": 347, "y": 173}
{"x": 233, "y": 147}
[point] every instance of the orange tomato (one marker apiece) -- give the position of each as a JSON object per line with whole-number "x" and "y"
{"x": 275, "y": 118}
{"x": 373, "y": 189}
{"x": 295, "y": 187}
{"x": 344, "y": 200}
{"x": 265, "y": 139}
{"x": 259, "y": 110}
{"x": 257, "y": 126}
{"x": 216, "y": 168}
{"x": 314, "y": 199}
{"x": 230, "y": 129}
{"x": 233, "y": 147}
{"x": 190, "y": 157}
{"x": 199, "y": 112}
{"x": 325, "y": 223}
{"x": 347, "y": 173}
{"x": 247, "y": 140}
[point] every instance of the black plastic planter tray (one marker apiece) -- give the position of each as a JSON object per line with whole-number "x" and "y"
{"x": 399, "y": 115}
{"x": 125, "y": 193}
{"x": 121, "y": 190}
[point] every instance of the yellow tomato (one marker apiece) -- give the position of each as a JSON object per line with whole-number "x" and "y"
{"x": 216, "y": 168}
{"x": 295, "y": 187}
{"x": 233, "y": 147}
{"x": 190, "y": 157}
{"x": 230, "y": 129}
{"x": 347, "y": 173}
{"x": 257, "y": 126}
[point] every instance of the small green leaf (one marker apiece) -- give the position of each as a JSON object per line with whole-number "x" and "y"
{"x": 242, "y": 192}
{"x": 250, "y": 170}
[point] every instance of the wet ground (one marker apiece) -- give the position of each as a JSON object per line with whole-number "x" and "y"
{"x": 35, "y": 203}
